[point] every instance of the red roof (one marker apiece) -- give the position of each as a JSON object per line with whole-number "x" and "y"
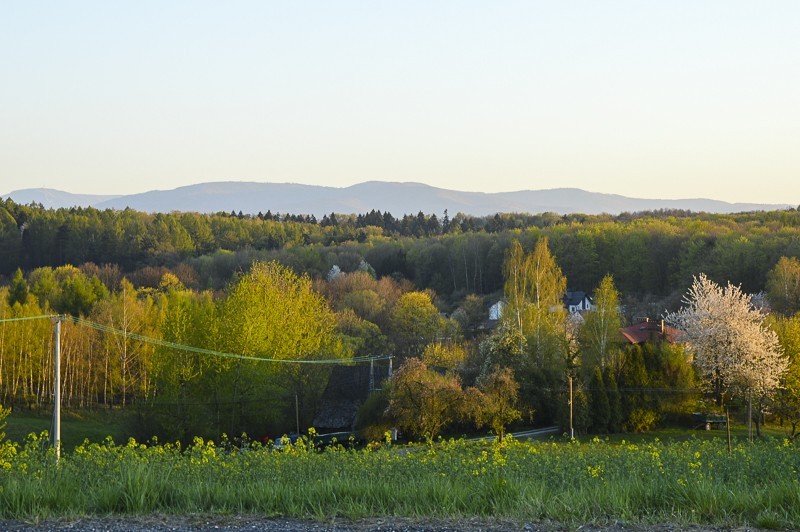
{"x": 649, "y": 330}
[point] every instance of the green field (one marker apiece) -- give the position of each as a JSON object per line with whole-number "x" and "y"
{"x": 680, "y": 482}
{"x": 77, "y": 426}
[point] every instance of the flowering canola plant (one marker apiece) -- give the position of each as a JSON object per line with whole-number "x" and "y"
{"x": 686, "y": 482}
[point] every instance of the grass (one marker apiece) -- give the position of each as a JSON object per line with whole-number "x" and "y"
{"x": 695, "y": 481}
{"x": 680, "y": 434}
{"x": 76, "y": 426}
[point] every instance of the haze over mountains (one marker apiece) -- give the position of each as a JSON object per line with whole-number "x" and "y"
{"x": 396, "y": 198}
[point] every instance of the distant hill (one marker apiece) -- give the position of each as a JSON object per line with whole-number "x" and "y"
{"x": 397, "y": 198}
{"x": 52, "y": 198}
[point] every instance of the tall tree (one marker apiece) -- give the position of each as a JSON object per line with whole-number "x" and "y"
{"x": 787, "y": 403}
{"x": 494, "y": 402}
{"x": 600, "y": 330}
{"x": 422, "y": 401}
{"x": 18, "y": 291}
{"x": 783, "y": 285}
{"x": 733, "y": 348}
{"x": 599, "y": 407}
{"x": 272, "y": 312}
{"x": 534, "y": 291}
{"x": 414, "y": 323}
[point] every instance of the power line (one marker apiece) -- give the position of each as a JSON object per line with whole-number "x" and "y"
{"x": 29, "y": 318}
{"x": 198, "y": 350}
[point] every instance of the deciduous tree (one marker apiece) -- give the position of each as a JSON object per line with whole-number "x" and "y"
{"x": 494, "y": 401}
{"x": 733, "y": 348}
{"x": 534, "y": 291}
{"x": 783, "y": 285}
{"x": 600, "y": 329}
{"x": 422, "y": 401}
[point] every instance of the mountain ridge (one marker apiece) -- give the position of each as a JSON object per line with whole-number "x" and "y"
{"x": 396, "y": 197}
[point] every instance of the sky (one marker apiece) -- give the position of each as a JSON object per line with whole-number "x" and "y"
{"x": 657, "y": 99}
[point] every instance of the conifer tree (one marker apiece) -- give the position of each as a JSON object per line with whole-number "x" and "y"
{"x": 614, "y": 401}
{"x": 599, "y": 407}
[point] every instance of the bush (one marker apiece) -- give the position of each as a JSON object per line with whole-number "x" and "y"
{"x": 641, "y": 420}
{"x": 373, "y": 413}
{"x": 4, "y": 412}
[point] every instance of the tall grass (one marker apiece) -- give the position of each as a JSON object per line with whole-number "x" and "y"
{"x": 694, "y": 481}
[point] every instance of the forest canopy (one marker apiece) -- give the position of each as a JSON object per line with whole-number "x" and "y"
{"x": 418, "y": 287}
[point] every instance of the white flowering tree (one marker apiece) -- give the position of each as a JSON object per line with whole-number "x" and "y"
{"x": 733, "y": 348}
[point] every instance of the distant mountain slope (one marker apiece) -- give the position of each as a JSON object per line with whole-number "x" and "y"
{"x": 397, "y": 198}
{"x": 52, "y": 198}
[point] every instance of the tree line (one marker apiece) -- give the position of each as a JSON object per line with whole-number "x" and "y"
{"x": 652, "y": 256}
{"x": 203, "y": 280}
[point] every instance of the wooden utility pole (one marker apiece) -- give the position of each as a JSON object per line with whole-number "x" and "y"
{"x": 57, "y": 390}
{"x": 571, "y": 430}
{"x": 297, "y": 414}
{"x": 728, "y": 424}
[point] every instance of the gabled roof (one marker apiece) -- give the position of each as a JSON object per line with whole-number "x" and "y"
{"x": 575, "y": 298}
{"x": 650, "y": 330}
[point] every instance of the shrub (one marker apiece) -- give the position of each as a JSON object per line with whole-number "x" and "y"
{"x": 641, "y": 420}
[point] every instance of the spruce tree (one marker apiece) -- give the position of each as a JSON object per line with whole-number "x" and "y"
{"x": 614, "y": 401}
{"x": 599, "y": 407}
{"x": 18, "y": 291}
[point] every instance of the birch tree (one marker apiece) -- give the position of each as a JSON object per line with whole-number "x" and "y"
{"x": 534, "y": 290}
{"x": 601, "y": 328}
{"x": 783, "y": 285}
{"x": 787, "y": 404}
{"x": 733, "y": 348}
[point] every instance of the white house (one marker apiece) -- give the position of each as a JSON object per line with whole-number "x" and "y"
{"x": 577, "y": 302}
{"x": 496, "y": 310}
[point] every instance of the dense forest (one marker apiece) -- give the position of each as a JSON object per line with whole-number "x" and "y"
{"x": 649, "y": 254}
{"x": 348, "y": 286}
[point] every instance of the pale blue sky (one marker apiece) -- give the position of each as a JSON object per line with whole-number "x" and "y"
{"x": 650, "y": 99}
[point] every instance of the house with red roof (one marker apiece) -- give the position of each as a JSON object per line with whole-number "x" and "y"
{"x": 650, "y": 330}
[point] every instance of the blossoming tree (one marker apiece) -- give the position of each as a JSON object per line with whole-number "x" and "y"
{"x": 733, "y": 348}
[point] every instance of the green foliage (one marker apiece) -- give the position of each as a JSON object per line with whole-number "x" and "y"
{"x": 444, "y": 355}
{"x": 4, "y": 413}
{"x": 18, "y": 291}
{"x": 414, "y": 323}
{"x": 570, "y": 484}
{"x": 422, "y": 401}
{"x": 614, "y": 401}
{"x": 271, "y": 312}
{"x": 787, "y": 400}
{"x": 505, "y": 347}
{"x": 600, "y": 409}
{"x": 783, "y": 285}
{"x": 534, "y": 290}
{"x": 360, "y": 337}
{"x": 581, "y": 420}
{"x": 641, "y": 420}
{"x": 371, "y": 419}
{"x": 599, "y": 335}
{"x": 633, "y": 380}
{"x": 494, "y": 402}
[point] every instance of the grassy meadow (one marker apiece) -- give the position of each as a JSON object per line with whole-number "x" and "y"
{"x": 76, "y": 426}
{"x": 692, "y": 481}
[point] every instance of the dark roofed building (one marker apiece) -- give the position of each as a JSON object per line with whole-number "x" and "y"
{"x": 348, "y": 388}
{"x": 577, "y": 301}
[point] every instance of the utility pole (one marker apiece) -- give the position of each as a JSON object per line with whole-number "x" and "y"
{"x": 297, "y": 414}
{"x": 571, "y": 430}
{"x": 728, "y": 424}
{"x": 750, "y": 416}
{"x": 57, "y": 390}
